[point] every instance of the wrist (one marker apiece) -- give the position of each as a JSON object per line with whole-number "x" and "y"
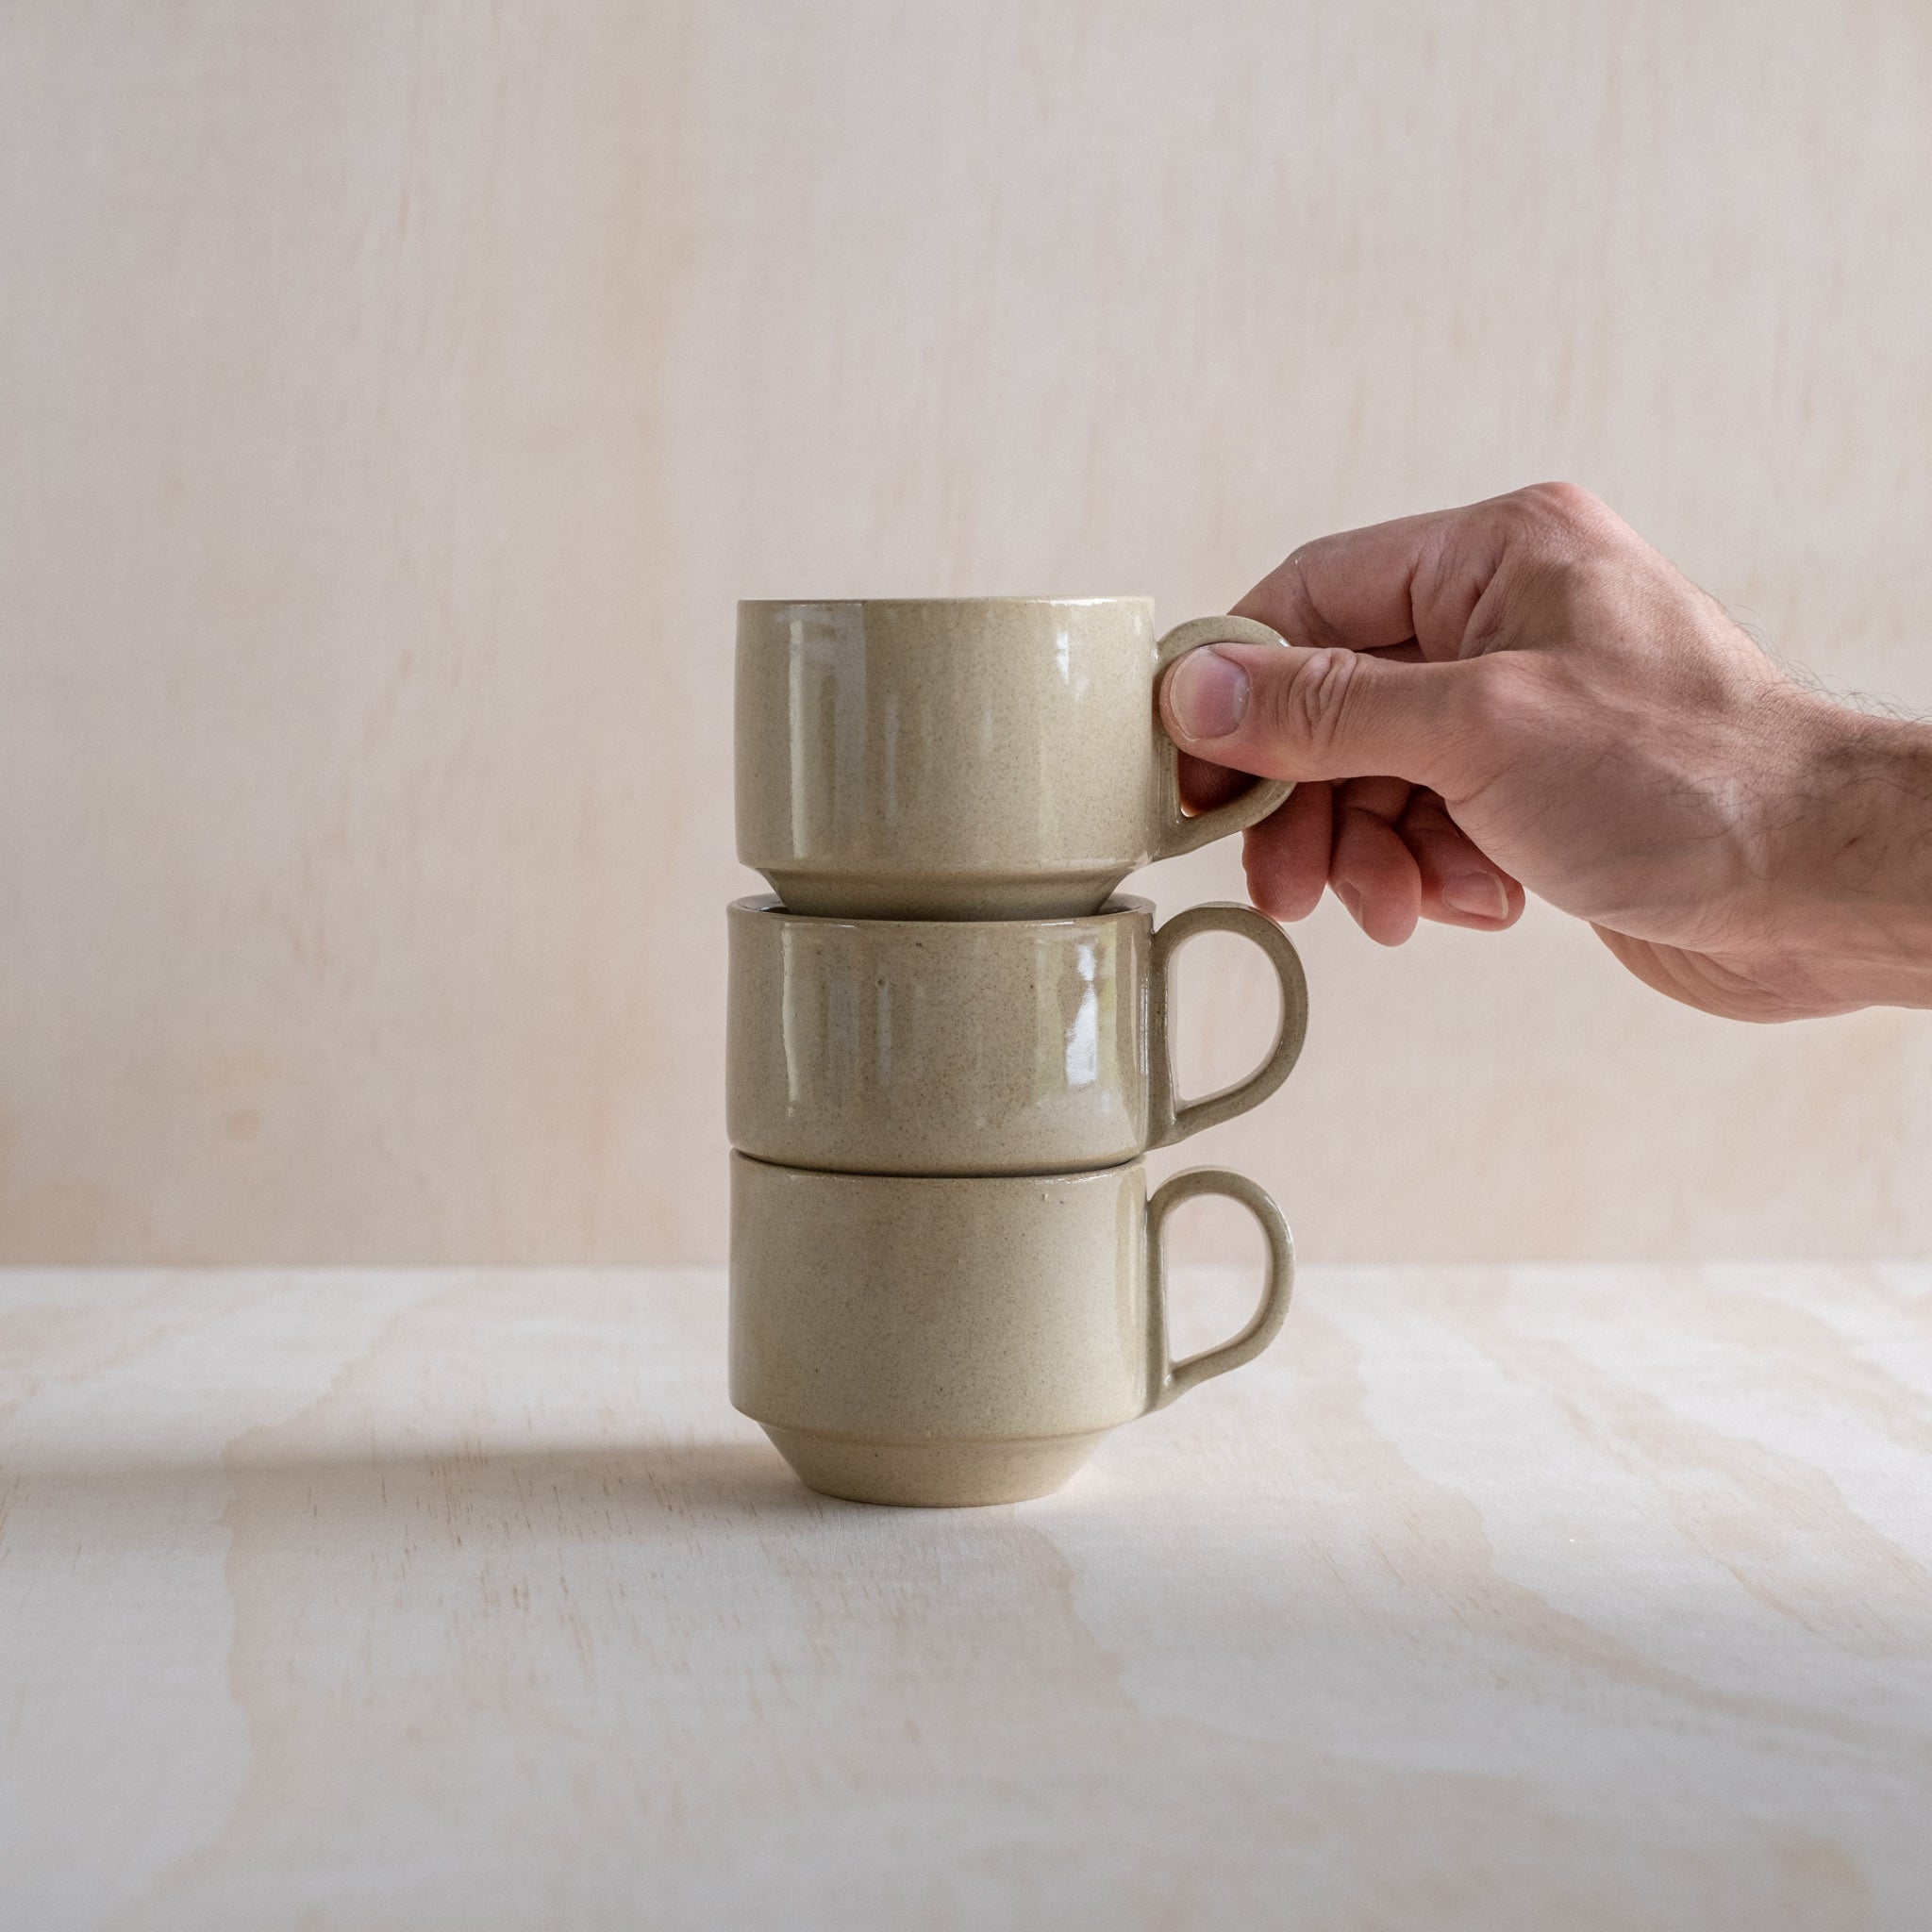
{"x": 1851, "y": 863}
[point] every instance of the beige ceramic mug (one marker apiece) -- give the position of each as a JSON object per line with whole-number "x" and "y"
{"x": 964, "y": 1341}
{"x": 964, "y": 1046}
{"x": 964, "y": 757}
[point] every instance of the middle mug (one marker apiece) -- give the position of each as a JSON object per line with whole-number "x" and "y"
{"x": 974, "y": 1047}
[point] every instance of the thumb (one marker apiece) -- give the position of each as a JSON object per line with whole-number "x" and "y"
{"x": 1287, "y": 712}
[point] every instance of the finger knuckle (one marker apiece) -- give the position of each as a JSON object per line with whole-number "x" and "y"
{"x": 1311, "y": 707}
{"x": 1567, "y": 506}
{"x": 1564, "y": 545}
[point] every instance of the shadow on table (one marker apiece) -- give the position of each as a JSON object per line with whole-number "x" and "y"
{"x": 632, "y": 1488}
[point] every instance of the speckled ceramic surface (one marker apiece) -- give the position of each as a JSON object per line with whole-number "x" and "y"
{"x": 1007, "y": 1046}
{"x": 981, "y": 757}
{"x": 953, "y": 1342}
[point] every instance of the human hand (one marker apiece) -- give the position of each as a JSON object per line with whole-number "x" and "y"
{"x": 1525, "y": 694}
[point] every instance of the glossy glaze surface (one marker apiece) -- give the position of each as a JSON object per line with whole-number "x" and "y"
{"x": 886, "y": 1046}
{"x": 948, "y": 1341}
{"x": 961, "y": 757}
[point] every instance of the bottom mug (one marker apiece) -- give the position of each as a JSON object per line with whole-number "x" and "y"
{"x": 963, "y": 1341}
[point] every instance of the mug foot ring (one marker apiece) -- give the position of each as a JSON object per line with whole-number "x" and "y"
{"x": 932, "y": 1475}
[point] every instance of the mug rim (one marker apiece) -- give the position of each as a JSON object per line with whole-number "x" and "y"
{"x": 1108, "y": 1171}
{"x": 1119, "y": 906}
{"x": 928, "y": 602}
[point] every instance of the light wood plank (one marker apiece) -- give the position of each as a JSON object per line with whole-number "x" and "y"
{"x": 1597, "y": 1598}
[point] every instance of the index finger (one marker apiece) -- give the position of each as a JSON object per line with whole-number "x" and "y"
{"x": 1415, "y": 580}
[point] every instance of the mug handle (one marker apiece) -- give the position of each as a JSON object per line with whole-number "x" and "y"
{"x": 1179, "y": 833}
{"x": 1169, "y": 1122}
{"x": 1172, "y": 1379}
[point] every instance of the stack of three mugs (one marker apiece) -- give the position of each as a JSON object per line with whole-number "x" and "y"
{"x": 949, "y": 1044}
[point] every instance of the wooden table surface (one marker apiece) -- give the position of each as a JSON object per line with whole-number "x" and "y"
{"x": 1553, "y": 1598}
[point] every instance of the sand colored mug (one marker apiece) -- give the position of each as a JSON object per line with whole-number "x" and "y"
{"x": 1001, "y": 1046}
{"x": 964, "y": 757}
{"x": 964, "y": 1341}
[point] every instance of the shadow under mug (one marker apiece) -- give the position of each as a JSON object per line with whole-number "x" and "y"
{"x": 951, "y": 1342}
{"x": 971, "y": 1047}
{"x": 964, "y": 757}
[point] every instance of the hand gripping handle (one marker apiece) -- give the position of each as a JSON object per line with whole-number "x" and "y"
{"x": 1177, "y": 832}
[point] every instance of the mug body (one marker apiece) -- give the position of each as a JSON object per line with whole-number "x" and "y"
{"x": 938, "y": 1340}
{"x": 939, "y": 1047}
{"x": 947, "y": 757}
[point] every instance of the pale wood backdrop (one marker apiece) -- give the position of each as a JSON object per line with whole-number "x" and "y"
{"x": 394, "y": 396}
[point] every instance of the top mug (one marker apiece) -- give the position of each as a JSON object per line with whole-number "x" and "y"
{"x": 964, "y": 757}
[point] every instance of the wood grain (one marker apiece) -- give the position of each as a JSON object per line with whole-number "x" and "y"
{"x": 1597, "y": 1597}
{"x": 396, "y": 394}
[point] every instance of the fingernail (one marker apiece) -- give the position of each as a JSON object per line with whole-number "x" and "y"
{"x": 1478, "y": 894}
{"x": 1206, "y": 694}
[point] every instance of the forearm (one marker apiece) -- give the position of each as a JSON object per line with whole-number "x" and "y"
{"x": 1860, "y": 864}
